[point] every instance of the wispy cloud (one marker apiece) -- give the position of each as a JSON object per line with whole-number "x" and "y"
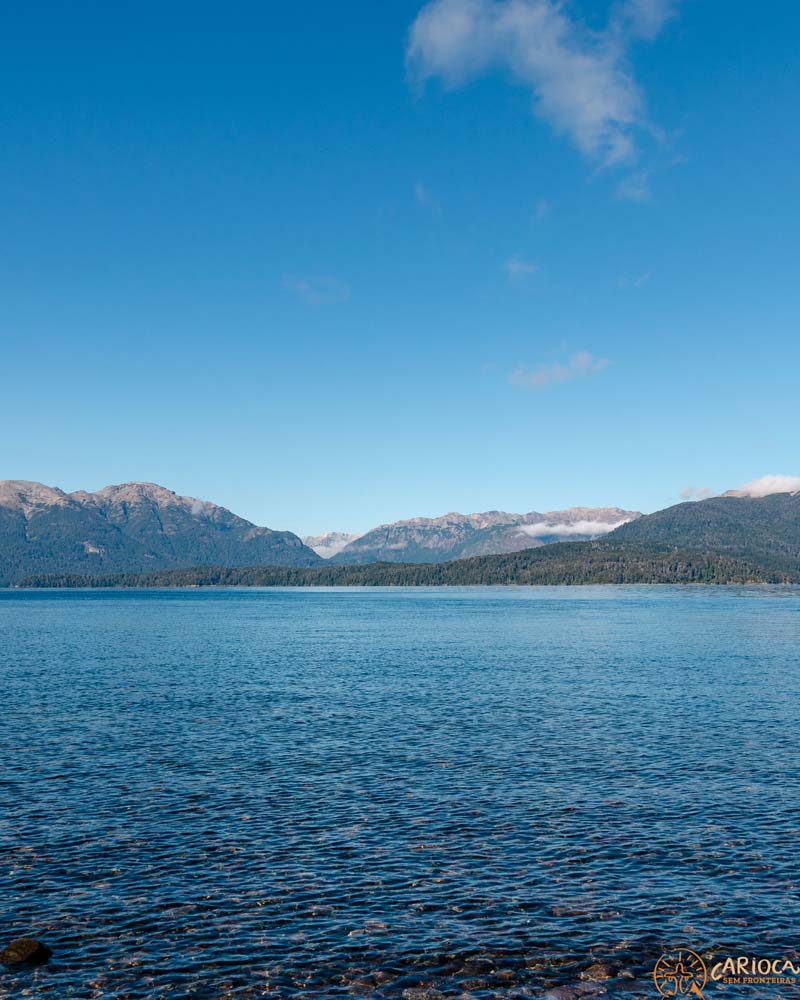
{"x": 645, "y": 18}
{"x": 635, "y": 281}
{"x": 757, "y": 488}
{"x": 767, "y": 485}
{"x": 636, "y": 186}
{"x": 695, "y": 493}
{"x": 542, "y": 209}
{"x": 318, "y": 291}
{"x": 580, "y": 80}
{"x": 426, "y": 199}
{"x": 545, "y": 529}
{"x": 580, "y": 365}
{"x": 519, "y": 268}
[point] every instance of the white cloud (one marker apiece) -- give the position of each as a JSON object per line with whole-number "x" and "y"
{"x": 635, "y": 281}
{"x": 542, "y": 210}
{"x": 426, "y": 199}
{"x": 645, "y": 18}
{"x": 635, "y": 187}
{"x": 579, "y": 366}
{"x": 202, "y": 508}
{"x": 580, "y": 80}
{"x": 693, "y": 493}
{"x": 318, "y": 291}
{"x": 767, "y": 485}
{"x": 594, "y": 528}
{"x": 518, "y": 268}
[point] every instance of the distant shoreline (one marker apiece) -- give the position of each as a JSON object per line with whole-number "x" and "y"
{"x": 142, "y": 535}
{"x": 561, "y": 564}
{"x": 207, "y": 588}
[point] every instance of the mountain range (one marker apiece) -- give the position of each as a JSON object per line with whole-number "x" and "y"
{"x": 129, "y": 528}
{"x": 140, "y": 528}
{"x": 729, "y": 539}
{"x": 459, "y": 536}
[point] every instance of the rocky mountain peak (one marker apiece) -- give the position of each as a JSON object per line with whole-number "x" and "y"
{"x": 136, "y": 493}
{"x": 456, "y": 536}
{"x": 487, "y": 519}
{"x": 330, "y": 543}
{"x": 129, "y": 527}
{"x": 28, "y": 497}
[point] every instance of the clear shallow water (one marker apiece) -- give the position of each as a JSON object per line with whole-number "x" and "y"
{"x": 393, "y": 793}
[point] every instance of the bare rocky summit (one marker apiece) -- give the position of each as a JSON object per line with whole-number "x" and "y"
{"x": 458, "y": 536}
{"x": 129, "y": 528}
{"x": 28, "y": 498}
{"x": 329, "y": 544}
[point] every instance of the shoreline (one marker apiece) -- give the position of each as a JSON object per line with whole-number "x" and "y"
{"x": 684, "y": 584}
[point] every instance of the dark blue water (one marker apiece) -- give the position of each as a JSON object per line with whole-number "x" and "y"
{"x": 417, "y": 793}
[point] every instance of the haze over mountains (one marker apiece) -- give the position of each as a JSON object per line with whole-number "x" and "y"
{"x": 329, "y": 544}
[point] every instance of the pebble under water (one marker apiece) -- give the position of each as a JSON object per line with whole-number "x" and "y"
{"x": 500, "y": 792}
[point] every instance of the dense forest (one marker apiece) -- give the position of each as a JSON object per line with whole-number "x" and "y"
{"x": 762, "y": 530}
{"x": 133, "y": 528}
{"x": 141, "y": 535}
{"x": 562, "y": 563}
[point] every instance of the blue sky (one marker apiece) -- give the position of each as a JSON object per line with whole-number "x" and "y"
{"x": 334, "y": 265}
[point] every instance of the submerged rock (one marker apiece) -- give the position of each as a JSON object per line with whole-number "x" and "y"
{"x": 598, "y": 972}
{"x": 24, "y": 950}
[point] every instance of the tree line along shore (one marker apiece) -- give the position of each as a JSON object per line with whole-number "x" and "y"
{"x": 569, "y": 563}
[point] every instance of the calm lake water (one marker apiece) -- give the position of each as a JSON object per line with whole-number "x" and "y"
{"x": 396, "y": 793}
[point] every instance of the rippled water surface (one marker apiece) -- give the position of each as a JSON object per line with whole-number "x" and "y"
{"x": 417, "y": 793}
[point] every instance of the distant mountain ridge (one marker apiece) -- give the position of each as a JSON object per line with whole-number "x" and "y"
{"x": 762, "y": 529}
{"x": 737, "y": 538}
{"x": 128, "y": 528}
{"x": 743, "y": 535}
{"x": 329, "y": 544}
{"x": 460, "y": 536}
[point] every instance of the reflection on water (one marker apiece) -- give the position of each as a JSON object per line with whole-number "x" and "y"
{"x": 459, "y": 793}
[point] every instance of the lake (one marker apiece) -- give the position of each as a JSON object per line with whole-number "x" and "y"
{"x": 473, "y": 792}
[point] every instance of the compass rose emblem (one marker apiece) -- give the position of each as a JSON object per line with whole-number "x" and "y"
{"x": 680, "y": 973}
